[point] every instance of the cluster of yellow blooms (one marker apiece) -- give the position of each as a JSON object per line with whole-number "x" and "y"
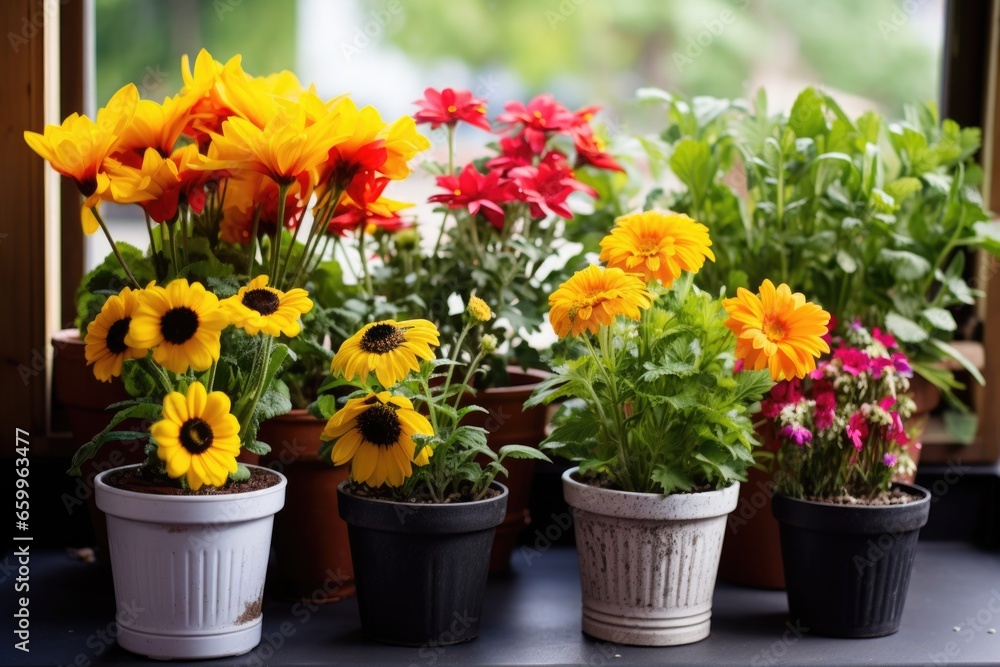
{"x": 182, "y": 324}
{"x": 776, "y": 329}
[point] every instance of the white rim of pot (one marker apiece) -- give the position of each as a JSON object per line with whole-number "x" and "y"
{"x": 189, "y": 509}
{"x": 652, "y": 506}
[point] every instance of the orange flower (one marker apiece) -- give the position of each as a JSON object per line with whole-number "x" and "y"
{"x": 657, "y": 244}
{"x": 363, "y": 203}
{"x": 778, "y": 329}
{"x": 160, "y": 184}
{"x": 78, "y": 148}
{"x": 245, "y": 192}
{"x": 593, "y": 297}
{"x": 153, "y": 126}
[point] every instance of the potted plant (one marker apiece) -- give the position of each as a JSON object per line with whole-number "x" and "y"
{"x": 660, "y": 420}
{"x": 869, "y": 217}
{"x": 842, "y": 437}
{"x": 421, "y": 509}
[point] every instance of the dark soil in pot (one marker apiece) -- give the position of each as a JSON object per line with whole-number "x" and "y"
{"x": 421, "y": 568}
{"x": 847, "y": 567}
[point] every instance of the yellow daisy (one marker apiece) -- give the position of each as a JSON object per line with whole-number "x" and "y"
{"x": 197, "y": 437}
{"x": 593, "y": 297}
{"x": 257, "y": 308}
{"x": 106, "y": 348}
{"x": 657, "y": 244}
{"x": 375, "y": 434}
{"x": 778, "y": 330}
{"x": 388, "y": 348}
{"x": 181, "y": 323}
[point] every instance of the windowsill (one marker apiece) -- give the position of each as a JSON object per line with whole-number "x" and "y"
{"x": 533, "y": 617}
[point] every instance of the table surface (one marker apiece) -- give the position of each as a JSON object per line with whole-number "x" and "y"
{"x": 532, "y": 617}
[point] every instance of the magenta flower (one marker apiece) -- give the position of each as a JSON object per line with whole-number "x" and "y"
{"x": 878, "y": 366}
{"x": 902, "y": 364}
{"x": 784, "y": 393}
{"x": 797, "y": 434}
{"x": 886, "y": 338}
{"x": 854, "y": 361}
{"x": 826, "y": 405}
{"x": 857, "y": 430}
{"x": 890, "y": 459}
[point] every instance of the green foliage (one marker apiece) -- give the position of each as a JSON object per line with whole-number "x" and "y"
{"x": 657, "y": 406}
{"x": 868, "y": 217}
{"x": 109, "y": 278}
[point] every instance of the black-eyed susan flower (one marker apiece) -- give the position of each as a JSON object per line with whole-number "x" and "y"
{"x": 657, "y": 244}
{"x": 197, "y": 436}
{"x": 593, "y": 297}
{"x": 259, "y": 308}
{"x": 106, "y": 348}
{"x": 389, "y": 348}
{"x": 181, "y": 323}
{"x": 375, "y": 434}
{"x": 478, "y": 310}
{"x": 778, "y": 330}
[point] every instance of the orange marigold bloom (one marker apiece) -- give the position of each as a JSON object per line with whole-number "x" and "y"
{"x": 778, "y": 330}
{"x": 593, "y": 297}
{"x": 657, "y": 244}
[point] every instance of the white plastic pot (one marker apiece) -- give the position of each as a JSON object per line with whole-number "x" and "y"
{"x": 189, "y": 570}
{"x": 648, "y": 562}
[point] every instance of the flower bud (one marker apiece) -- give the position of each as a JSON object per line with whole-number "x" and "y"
{"x": 478, "y": 310}
{"x": 488, "y": 344}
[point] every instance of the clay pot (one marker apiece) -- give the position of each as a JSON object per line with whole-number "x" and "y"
{"x": 751, "y": 554}
{"x": 927, "y": 397}
{"x": 312, "y": 554}
{"x": 508, "y": 424}
{"x": 647, "y": 561}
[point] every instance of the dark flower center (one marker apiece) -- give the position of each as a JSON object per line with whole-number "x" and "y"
{"x": 382, "y": 338}
{"x": 379, "y": 425}
{"x": 178, "y": 325}
{"x": 263, "y": 301}
{"x": 196, "y": 435}
{"x": 87, "y": 187}
{"x": 116, "y": 336}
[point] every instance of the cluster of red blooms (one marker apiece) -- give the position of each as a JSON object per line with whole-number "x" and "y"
{"x": 527, "y": 170}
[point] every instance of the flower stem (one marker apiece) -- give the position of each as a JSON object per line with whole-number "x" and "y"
{"x": 364, "y": 261}
{"x": 253, "y": 242}
{"x": 152, "y": 248}
{"x": 279, "y": 227}
{"x": 114, "y": 248}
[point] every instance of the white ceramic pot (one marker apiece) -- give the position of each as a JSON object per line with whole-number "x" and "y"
{"x": 648, "y": 562}
{"x": 189, "y": 570}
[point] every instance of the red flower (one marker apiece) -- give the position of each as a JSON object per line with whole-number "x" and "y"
{"x": 857, "y": 430}
{"x": 590, "y": 149}
{"x": 363, "y": 203}
{"x": 539, "y": 117}
{"x": 475, "y": 192}
{"x": 449, "y": 106}
{"x": 514, "y": 152}
{"x": 547, "y": 186}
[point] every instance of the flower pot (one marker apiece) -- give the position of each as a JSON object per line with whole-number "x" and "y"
{"x": 751, "y": 554}
{"x": 647, "y": 562}
{"x": 927, "y": 397}
{"x": 421, "y": 568}
{"x": 847, "y": 567}
{"x": 312, "y": 555}
{"x": 189, "y": 570}
{"x": 509, "y": 424}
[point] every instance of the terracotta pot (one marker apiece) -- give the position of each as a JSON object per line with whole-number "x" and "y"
{"x": 508, "y": 424}
{"x": 312, "y": 554}
{"x": 927, "y": 397}
{"x": 751, "y": 554}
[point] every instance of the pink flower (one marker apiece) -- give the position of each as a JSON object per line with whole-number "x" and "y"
{"x": 857, "y": 430}
{"x": 475, "y": 192}
{"x": 828, "y": 336}
{"x": 884, "y": 337}
{"x": 902, "y": 364}
{"x": 897, "y": 431}
{"x": 448, "y": 107}
{"x": 854, "y": 361}
{"x": 797, "y": 434}
{"x": 890, "y": 459}
{"x": 547, "y": 186}
{"x": 826, "y": 405}
{"x": 784, "y": 393}
{"x": 878, "y": 366}
{"x": 538, "y": 118}
{"x": 738, "y": 366}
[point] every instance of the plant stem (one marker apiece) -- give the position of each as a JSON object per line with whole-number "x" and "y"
{"x": 211, "y": 376}
{"x": 364, "y": 261}
{"x": 253, "y": 241}
{"x": 114, "y": 248}
{"x": 155, "y": 372}
{"x": 152, "y": 247}
{"x": 279, "y": 228}
{"x": 183, "y": 220}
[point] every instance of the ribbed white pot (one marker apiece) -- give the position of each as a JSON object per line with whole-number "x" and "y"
{"x": 648, "y": 562}
{"x": 189, "y": 570}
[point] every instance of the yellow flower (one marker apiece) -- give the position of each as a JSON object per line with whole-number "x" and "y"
{"x": 478, "y": 310}
{"x": 106, "y": 348}
{"x": 257, "y": 307}
{"x": 778, "y": 329}
{"x": 77, "y": 149}
{"x": 593, "y": 297}
{"x": 154, "y": 126}
{"x": 389, "y": 348}
{"x": 283, "y": 149}
{"x": 657, "y": 244}
{"x": 197, "y": 437}
{"x": 182, "y": 324}
{"x": 375, "y": 434}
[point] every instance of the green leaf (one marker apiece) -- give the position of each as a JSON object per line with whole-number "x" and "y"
{"x": 146, "y": 411}
{"x": 671, "y": 480}
{"x": 953, "y": 353}
{"x": 242, "y": 473}
{"x": 806, "y": 118}
{"x": 906, "y": 266}
{"x": 692, "y": 164}
{"x": 940, "y": 318}
{"x": 961, "y": 426}
{"x": 323, "y": 407}
{"x": 902, "y": 188}
{"x": 846, "y": 262}
{"x": 905, "y": 329}
{"x": 522, "y": 452}
{"x": 257, "y": 447}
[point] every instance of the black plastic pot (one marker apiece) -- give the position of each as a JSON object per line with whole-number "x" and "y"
{"x": 847, "y": 567}
{"x": 421, "y": 569}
